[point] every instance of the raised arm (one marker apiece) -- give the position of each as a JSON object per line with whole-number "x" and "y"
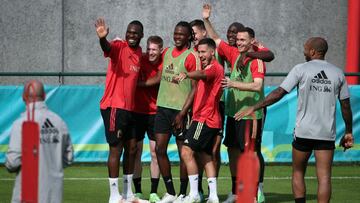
{"x": 102, "y": 31}
{"x": 209, "y": 28}
{"x": 347, "y": 140}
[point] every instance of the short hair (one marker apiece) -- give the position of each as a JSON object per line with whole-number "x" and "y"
{"x": 156, "y": 40}
{"x": 237, "y": 25}
{"x": 249, "y": 30}
{"x": 188, "y": 27}
{"x": 198, "y": 23}
{"x": 319, "y": 44}
{"x": 138, "y": 23}
{"x": 210, "y": 42}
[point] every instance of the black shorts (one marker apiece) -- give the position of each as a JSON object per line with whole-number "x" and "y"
{"x": 200, "y": 138}
{"x": 144, "y": 124}
{"x": 119, "y": 125}
{"x": 307, "y": 145}
{"x": 164, "y": 122}
{"x": 235, "y": 131}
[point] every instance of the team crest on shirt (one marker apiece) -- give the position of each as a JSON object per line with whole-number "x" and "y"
{"x": 134, "y": 68}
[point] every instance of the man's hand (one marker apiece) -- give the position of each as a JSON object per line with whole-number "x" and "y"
{"x": 206, "y": 12}
{"x": 178, "y": 123}
{"x": 226, "y": 83}
{"x": 246, "y": 112}
{"x": 180, "y": 77}
{"x": 101, "y": 29}
{"x": 347, "y": 141}
{"x": 258, "y": 44}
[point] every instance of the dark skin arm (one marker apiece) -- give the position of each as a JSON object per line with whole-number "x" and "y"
{"x": 179, "y": 119}
{"x": 272, "y": 98}
{"x": 266, "y": 56}
{"x": 347, "y": 140}
{"x": 102, "y": 31}
{"x": 105, "y": 45}
{"x": 151, "y": 81}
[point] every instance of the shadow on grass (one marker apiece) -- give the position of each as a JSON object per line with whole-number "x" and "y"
{"x": 280, "y": 197}
{"x": 277, "y": 197}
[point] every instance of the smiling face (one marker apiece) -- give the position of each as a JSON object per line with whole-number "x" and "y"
{"x": 133, "y": 35}
{"x": 231, "y": 35}
{"x": 199, "y": 34}
{"x": 154, "y": 52}
{"x": 244, "y": 41}
{"x": 181, "y": 36}
{"x": 206, "y": 54}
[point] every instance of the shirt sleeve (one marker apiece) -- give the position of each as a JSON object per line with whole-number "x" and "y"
{"x": 291, "y": 80}
{"x": 344, "y": 89}
{"x": 224, "y": 49}
{"x": 13, "y": 155}
{"x": 210, "y": 73}
{"x": 192, "y": 62}
{"x": 258, "y": 68}
{"x": 68, "y": 151}
{"x": 115, "y": 48}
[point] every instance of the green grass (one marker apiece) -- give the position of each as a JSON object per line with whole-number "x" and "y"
{"x": 277, "y": 184}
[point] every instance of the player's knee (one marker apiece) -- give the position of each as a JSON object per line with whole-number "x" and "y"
{"x": 130, "y": 151}
{"x": 160, "y": 151}
{"x": 153, "y": 154}
{"x": 324, "y": 179}
{"x": 186, "y": 153}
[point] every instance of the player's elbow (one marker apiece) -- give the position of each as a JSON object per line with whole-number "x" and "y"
{"x": 269, "y": 56}
{"x": 257, "y": 87}
{"x": 12, "y": 166}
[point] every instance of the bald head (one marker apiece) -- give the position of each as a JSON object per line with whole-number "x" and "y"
{"x": 34, "y": 91}
{"x": 315, "y": 48}
{"x": 318, "y": 44}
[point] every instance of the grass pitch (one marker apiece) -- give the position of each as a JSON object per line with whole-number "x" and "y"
{"x": 89, "y": 184}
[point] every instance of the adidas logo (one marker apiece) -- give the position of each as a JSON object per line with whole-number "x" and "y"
{"x": 49, "y": 133}
{"x": 321, "y": 78}
{"x": 186, "y": 141}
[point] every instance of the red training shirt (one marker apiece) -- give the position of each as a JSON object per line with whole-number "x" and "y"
{"x": 121, "y": 76}
{"x": 207, "y": 96}
{"x": 145, "y": 97}
{"x": 190, "y": 63}
{"x": 231, "y": 53}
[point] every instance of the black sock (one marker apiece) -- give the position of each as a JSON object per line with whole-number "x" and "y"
{"x": 300, "y": 200}
{"x": 137, "y": 184}
{"x": 200, "y": 189}
{"x": 154, "y": 185}
{"x": 183, "y": 185}
{"x": 233, "y": 181}
{"x": 169, "y": 185}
